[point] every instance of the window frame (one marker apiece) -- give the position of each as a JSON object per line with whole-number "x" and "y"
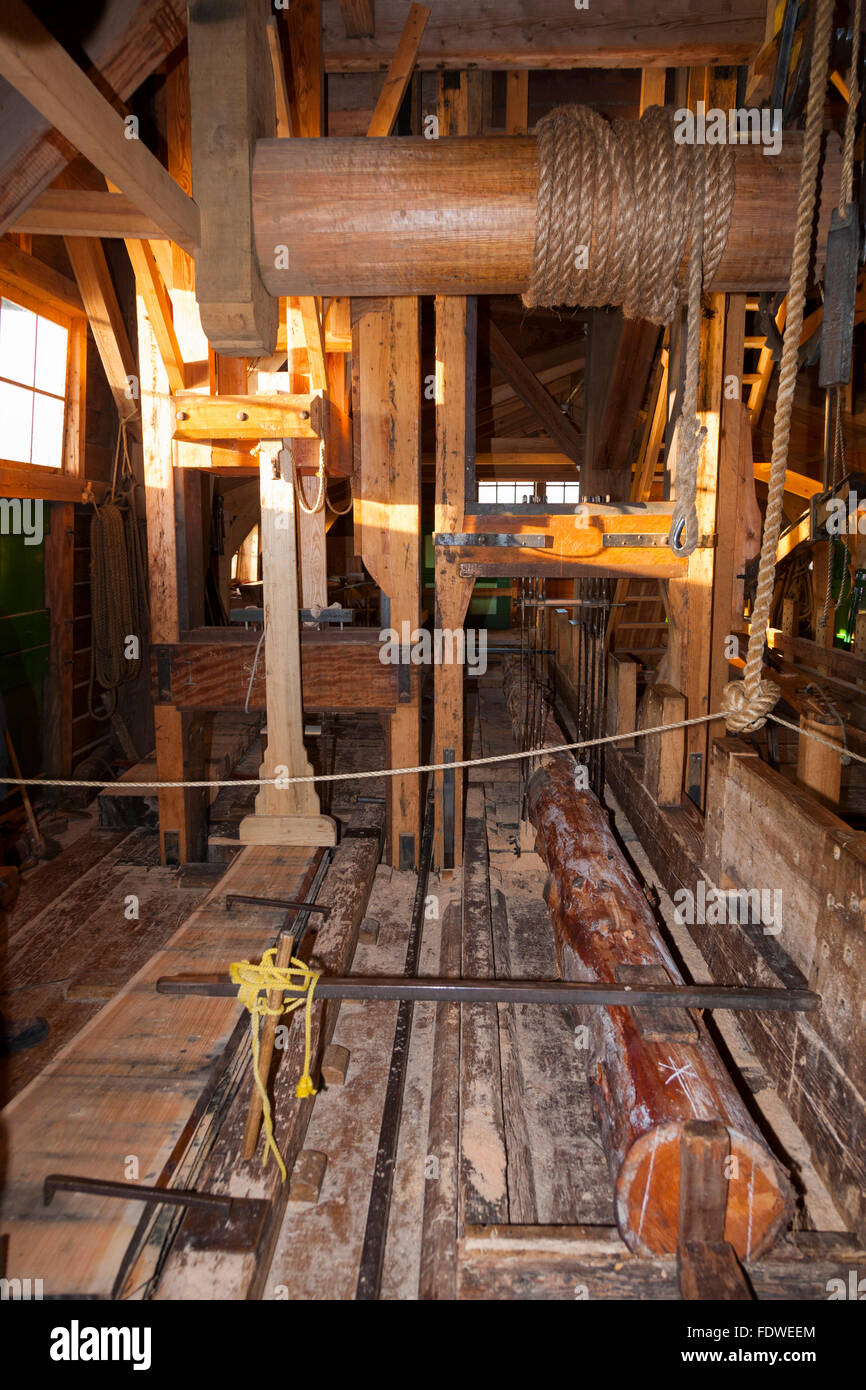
{"x": 16, "y": 473}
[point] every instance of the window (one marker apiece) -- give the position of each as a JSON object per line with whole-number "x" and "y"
{"x": 563, "y": 492}
{"x": 505, "y": 492}
{"x": 33, "y": 353}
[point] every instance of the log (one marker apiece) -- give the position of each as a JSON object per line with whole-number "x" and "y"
{"x": 646, "y": 1092}
{"x": 409, "y": 216}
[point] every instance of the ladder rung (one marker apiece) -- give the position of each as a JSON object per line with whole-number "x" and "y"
{"x": 656, "y": 627}
{"x": 752, "y": 305}
{"x": 752, "y": 378}
{"x": 758, "y": 342}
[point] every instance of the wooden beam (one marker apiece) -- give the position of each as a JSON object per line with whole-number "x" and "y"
{"x": 118, "y": 56}
{"x": 43, "y": 72}
{"x": 283, "y": 416}
{"x": 339, "y": 670}
{"x": 730, "y": 524}
{"x": 403, "y": 230}
{"x": 456, "y": 320}
{"x": 86, "y": 212}
{"x": 282, "y": 813}
{"x": 527, "y": 38}
{"x": 21, "y": 271}
{"x": 180, "y": 810}
{"x": 535, "y": 395}
{"x": 154, "y": 295}
{"x": 517, "y": 102}
{"x": 231, "y": 108}
{"x": 106, "y": 320}
{"x": 399, "y": 73}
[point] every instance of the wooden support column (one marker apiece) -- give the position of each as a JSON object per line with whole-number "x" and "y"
{"x": 179, "y": 754}
{"x": 731, "y": 521}
{"x": 686, "y": 665}
{"x": 387, "y": 385}
{"x": 284, "y": 814}
{"x": 455, "y": 422}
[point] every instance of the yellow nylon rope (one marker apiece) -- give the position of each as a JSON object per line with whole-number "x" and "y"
{"x": 255, "y": 983}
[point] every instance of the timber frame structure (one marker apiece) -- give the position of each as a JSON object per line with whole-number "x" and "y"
{"x": 288, "y": 246}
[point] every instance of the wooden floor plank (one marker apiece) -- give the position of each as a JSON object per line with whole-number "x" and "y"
{"x": 124, "y": 1088}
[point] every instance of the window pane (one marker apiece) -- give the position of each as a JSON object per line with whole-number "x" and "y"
{"x": 47, "y": 432}
{"x": 17, "y": 342}
{"x": 486, "y": 492}
{"x": 571, "y": 492}
{"x": 50, "y": 357}
{"x": 16, "y": 413}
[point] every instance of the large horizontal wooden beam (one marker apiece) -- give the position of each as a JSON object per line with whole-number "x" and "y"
{"x": 556, "y": 35}
{"x": 409, "y": 216}
{"x": 339, "y": 670}
{"x": 45, "y": 74}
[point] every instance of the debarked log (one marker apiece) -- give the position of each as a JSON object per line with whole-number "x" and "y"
{"x": 647, "y": 1091}
{"x": 409, "y": 216}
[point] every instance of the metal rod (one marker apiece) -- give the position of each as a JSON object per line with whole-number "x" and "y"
{"x": 376, "y": 1230}
{"x": 232, "y": 898}
{"x": 135, "y": 1192}
{"x": 481, "y": 991}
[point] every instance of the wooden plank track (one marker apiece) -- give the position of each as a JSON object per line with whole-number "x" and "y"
{"x": 126, "y": 1086}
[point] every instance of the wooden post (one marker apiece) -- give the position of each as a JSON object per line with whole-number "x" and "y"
{"x": 455, "y": 416}
{"x": 663, "y": 753}
{"x": 818, "y": 767}
{"x": 729, "y": 521}
{"x": 284, "y": 814}
{"x": 387, "y": 387}
{"x": 621, "y": 697}
{"x": 687, "y": 663}
{"x": 178, "y": 755}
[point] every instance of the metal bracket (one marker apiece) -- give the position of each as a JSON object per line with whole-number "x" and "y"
{"x": 653, "y": 540}
{"x": 485, "y": 538}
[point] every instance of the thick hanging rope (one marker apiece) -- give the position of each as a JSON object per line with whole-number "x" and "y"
{"x": 690, "y": 433}
{"x": 748, "y": 702}
{"x": 118, "y": 582}
{"x": 255, "y": 983}
{"x": 341, "y": 511}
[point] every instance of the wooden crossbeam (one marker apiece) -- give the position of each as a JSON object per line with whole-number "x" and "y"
{"x": 535, "y": 395}
{"x": 282, "y": 416}
{"x": 45, "y": 74}
{"x": 86, "y": 212}
{"x": 106, "y": 320}
{"x": 151, "y": 288}
{"x": 399, "y": 73}
{"x": 21, "y": 271}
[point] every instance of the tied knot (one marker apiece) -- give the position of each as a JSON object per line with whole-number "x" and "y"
{"x": 744, "y": 712}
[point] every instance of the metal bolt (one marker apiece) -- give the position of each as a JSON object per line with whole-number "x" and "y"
{"x": 242, "y": 415}
{"x": 304, "y": 414}
{"x": 182, "y": 415}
